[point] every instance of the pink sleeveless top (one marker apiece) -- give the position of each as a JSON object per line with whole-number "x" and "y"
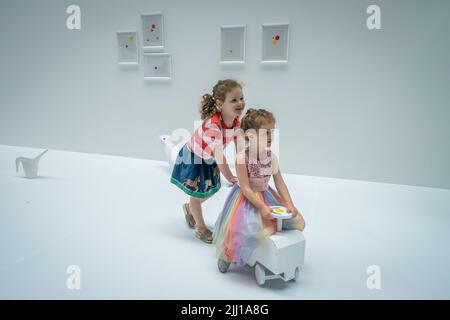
{"x": 260, "y": 171}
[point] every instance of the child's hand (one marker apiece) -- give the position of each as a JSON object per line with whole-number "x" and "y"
{"x": 298, "y": 215}
{"x": 266, "y": 213}
{"x": 290, "y": 208}
{"x": 232, "y": 180}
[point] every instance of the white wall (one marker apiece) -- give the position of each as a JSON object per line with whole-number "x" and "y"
{"x": 351, "y": 103}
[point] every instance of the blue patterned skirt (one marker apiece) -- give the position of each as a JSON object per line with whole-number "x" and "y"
{"x": 197, "y": 177}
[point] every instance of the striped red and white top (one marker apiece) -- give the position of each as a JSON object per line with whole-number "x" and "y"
{"x": 209, "y": 134}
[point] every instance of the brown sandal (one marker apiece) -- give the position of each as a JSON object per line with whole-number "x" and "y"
{"x": 205, "y": 236}
{"x": 190, "y": 221}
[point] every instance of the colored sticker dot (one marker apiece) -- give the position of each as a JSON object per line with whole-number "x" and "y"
{"x": 126, "y": 46}
{"x": 153, "y": 26}
{"x": 274, "y": 42}
{"x": 277, "y": 37}
{"x": 131, "y": 38}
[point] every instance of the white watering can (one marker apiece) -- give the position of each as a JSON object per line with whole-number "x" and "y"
{"x": 30, "y": 166}
{"x": 170, "y": 149}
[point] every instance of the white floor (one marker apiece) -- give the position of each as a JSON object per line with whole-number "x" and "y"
{"x": 120, "y": 220}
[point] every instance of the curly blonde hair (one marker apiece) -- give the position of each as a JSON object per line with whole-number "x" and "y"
{"x": 208, "y": 104}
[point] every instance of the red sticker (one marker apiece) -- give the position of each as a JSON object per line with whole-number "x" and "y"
{"x": 153, "y": 26}
{"x": 277, "y": 37}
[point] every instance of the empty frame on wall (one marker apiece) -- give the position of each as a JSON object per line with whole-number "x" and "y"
{"x": 152, "y": 31}
{"x": 128, "y": 52}
{"x": 275, "y": 43}
{"x": 232, "y": 44}
{"x": 157, "y": 66}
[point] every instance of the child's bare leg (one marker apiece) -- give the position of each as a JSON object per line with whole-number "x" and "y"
{"x": 295, "y": 223}
{"x": 195, "y": 207}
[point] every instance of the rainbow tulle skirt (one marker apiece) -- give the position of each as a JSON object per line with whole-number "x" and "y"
{"x": 240, "y": 228}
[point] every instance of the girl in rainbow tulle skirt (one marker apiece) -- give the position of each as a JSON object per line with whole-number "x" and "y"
{"x": 246, "y": 218}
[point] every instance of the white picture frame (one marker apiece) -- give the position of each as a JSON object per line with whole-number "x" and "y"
{"x": 152, "y": 25}
{"x": 232, "y": 44}
{"x": 127, "y": 47}
{"x": 275, "y": 43}
{"x": 157, "y": 66}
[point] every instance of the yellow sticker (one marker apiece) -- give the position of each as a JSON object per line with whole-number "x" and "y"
{"x": 131, "y": 38}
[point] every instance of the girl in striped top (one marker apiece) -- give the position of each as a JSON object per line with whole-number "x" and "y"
{"x": 201, "y": 160}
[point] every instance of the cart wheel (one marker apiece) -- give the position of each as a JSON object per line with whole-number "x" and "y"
{"x": 223, "y": 265}
{"x": 260, "y": 274}
{"x": 296, "y": 274}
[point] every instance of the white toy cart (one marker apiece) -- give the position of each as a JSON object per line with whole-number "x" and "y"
{"x": 280, "y": 256}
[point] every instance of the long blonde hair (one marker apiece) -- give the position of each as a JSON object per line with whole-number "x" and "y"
{"x": 208, "y": 104}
